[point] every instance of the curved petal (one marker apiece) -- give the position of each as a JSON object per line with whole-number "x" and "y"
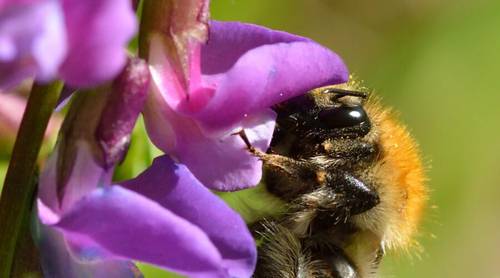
{"x": 85, "y": 175}
{"x": 32, "y": 41}
{"x": 228, "y": 41}
{"x": 175, "y": 188}
{"x": 224, "y": 163}
{"x": 268, "y": 75}
{"x": 115, "y": 222}
{"x": 98, "y": 31}
{"x": 57, "y": 260}
{"x": 245, "y": 69}
{"x": 169, "y": 81}
{"x": 220, "y": 161}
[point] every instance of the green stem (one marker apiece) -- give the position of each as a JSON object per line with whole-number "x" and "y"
{"x": 26, "y": 262}
{"x": 18, "y": 189}
{"x": 155, "y": 18}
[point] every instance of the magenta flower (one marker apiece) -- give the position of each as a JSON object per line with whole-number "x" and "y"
{"x": 165, "y": 216}
{"x": 233, "y": 81}
{"x": 81, "y": 42}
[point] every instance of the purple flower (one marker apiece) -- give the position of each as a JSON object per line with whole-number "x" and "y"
{"x": 82, "y": 42}
{"x": 165, "y": 216}
{"x": 59, "y": 261}
{"x": 232, "y": 82}
{"x": 12, "y": 108}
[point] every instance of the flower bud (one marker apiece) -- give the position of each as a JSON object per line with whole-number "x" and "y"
{"x": 123, "y": 106}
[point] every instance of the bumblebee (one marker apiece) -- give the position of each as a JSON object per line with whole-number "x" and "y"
{"x": 352, "y": 182}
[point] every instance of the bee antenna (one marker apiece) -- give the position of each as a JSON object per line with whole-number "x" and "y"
{"x": 243, "y": 136}
{"x": 342, "y": 92}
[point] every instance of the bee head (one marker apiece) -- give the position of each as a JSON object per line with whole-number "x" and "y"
{"x": 324, "y": 113}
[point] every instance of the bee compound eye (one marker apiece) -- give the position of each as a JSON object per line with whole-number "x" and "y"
{"x": 343, "y": 116}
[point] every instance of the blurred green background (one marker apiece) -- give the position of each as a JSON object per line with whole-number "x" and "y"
{"x": 438, "y": 63}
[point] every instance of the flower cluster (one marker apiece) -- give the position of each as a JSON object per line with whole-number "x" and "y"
{"x": 203, "y": 82}
{"x": 69, "y": 39}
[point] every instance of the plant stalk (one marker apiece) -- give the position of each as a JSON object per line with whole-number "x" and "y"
{"x": 19, "y": 188}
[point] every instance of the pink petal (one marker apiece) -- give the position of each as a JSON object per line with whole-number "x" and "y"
{"x": 98, "y": 32}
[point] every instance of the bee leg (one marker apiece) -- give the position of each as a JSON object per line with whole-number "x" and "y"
{"x": 286, "y": 177}
{"x": 344, "y": 192}
{"x": 329, "y": 206}
{"x": 333, "y": 204}
{"x": 357, "y": 196}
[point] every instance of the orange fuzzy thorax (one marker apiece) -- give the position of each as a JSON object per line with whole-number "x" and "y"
{"x": 401, "y": 179}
